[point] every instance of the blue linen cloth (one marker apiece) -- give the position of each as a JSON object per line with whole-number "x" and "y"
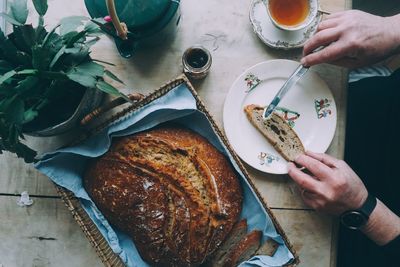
{"x": 66, "y": 166}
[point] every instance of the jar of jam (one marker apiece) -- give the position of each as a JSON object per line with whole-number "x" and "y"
{"x": 196, "y": 62}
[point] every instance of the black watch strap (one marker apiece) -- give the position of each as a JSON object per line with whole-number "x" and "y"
{"x": 355, "y": 219}
{"x": 368, "y": 206}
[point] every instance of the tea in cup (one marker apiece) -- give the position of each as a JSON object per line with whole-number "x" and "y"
{"x": 292, "y": 15}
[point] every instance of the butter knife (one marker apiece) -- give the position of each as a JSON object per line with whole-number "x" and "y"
{"x": 292, "y": 80}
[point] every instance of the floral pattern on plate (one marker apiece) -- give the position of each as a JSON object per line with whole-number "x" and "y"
{"x": 321, "y": 107}
{"x": 267, "y": 158}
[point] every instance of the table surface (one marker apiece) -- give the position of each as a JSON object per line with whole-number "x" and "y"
{"x": 45, "y": 233}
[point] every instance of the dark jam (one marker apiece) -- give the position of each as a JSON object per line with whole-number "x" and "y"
{"x": 197, "y": 58}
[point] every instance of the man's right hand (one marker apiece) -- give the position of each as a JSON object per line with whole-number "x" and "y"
{"x": 330, "y": 185}
{"x": 333, "y": 187}
{"x": 353, "y": 39}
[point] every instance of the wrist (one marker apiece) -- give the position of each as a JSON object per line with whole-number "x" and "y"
{"x": 393, "y": 30}
{"x": 356, "y": 218}
{"x": 383, "y": 225}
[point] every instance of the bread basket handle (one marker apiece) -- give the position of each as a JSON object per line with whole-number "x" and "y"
{"x": 121, "y": 28}
{"x": 110, "y": 105}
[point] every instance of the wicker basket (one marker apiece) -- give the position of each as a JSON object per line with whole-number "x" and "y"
{"x": 108, "y": 257}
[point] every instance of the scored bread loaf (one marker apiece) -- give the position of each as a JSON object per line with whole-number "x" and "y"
{"x": 277, "y": 131}
{"x": 169, "y": 189}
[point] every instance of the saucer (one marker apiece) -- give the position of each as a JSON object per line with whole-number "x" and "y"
{"x": 277, "y": 38}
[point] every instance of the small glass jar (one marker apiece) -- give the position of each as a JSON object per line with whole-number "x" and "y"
{"x": 196, "y": 62}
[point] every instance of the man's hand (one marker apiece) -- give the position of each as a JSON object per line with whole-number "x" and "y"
{"x": 331, "y": 185}
{"x": 353, "y": 39}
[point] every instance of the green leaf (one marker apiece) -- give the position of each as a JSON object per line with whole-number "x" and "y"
{"x": 49, "y": 35}
{"x": 75, "y": 56}
{"x": 7, "y": 76}
{"x": 72, "y": 37}
{"x": 53, "y": 75}
{"x": 5, "y": 66}
{"x": 91, "y": 68}
{"x": 15, "y": 111}
{"x": 10, "y": 19}
{"x": 41, "y": 57}
{"x": 24, "y": 37}
{"x": 104, "y": 62}
{"x": 25, "y": 152}
{"x": 40, "y": 6}
{"x": 112, "y": 76}
{"x": 12, "y": 55}
{"x": 86, "y": 74}
{"x": 28, "y": 72}
{"x": 92, "y": 41}
{"x": 5, "y": 103}
{"x": 74, "y": 50}
{"x": 87, "y": 81}
{"x": 57, "y": 57}
{"x": 29, "y": 115}
{"x": 9, "y": 140}
{"x": 19, "y": 10}
{"x": 69, "y": 24}
{"x": 40, "y": 34}
{"x": 40, "y": 21}
{"x": 92, "y": 28}
{"x": 109, "y": 89}
{"x": 29, "y": 83}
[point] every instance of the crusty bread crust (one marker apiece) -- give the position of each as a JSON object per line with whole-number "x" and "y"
{"x": 276, "y": 130}
{"x": 174, "y": 193}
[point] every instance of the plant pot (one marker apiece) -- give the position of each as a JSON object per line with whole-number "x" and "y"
{"x": 149, "y": 22}
{"x": 90, "y": 100}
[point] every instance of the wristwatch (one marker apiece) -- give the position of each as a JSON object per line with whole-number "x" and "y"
{"x": 355, "y": 219}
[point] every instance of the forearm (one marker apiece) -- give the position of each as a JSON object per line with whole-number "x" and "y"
{"x": 383, "y": 225}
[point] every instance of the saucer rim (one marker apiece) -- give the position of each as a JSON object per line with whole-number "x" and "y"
{"x": 279, "y": 44}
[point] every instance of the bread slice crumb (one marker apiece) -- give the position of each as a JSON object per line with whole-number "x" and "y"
{"x": 277, "y": 131}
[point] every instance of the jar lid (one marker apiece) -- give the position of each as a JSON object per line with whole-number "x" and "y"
{"x": 134, "y": 13}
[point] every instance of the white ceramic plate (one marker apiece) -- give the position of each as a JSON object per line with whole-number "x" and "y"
{"x": 277, "y": 38}
{"x": 309, "y": 107}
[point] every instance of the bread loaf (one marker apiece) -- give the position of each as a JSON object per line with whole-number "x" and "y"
{"x": 281, "y": 136}
{"x": 168, "y": 188}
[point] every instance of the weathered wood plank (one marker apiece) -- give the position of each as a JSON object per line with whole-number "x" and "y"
{"x": 44, "y": 234}
{"x": 310, "y": 234}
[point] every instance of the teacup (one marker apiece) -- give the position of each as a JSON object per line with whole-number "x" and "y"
{"x": 291, "y": 15}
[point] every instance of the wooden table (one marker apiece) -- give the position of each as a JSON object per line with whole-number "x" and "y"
{"x": 45, "y": 233}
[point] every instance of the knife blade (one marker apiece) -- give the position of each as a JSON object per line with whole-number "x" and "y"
{"x": 292, "y": 80}
{"x": 299, "y": 72}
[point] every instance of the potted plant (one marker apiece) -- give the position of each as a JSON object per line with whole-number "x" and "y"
{"x": 46, "y": 77}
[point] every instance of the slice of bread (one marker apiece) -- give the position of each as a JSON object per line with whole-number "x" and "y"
{"x": 268, "y": 248}
{"x": 237, "y": 233}
{"x": 277, "y": 131}
{"x": 246, "y": 248}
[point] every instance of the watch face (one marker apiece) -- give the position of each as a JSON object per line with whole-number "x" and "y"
{"x": 353, "y": 219}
